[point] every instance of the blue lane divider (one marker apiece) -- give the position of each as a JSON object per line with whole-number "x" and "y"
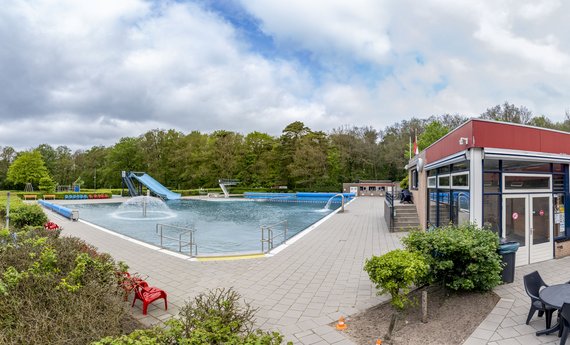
{"x": 297, "y": 197}
{"x": 64, "y": 211}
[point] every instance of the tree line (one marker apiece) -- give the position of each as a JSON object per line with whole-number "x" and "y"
{"x": 299, "y": 158}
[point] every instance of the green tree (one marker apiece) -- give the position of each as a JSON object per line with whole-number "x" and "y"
{"x": 7, "y": 155}
{"x": 28, "y": 167}
{"x": 309, "y": 164}
{"x": 125, "y": 155}
{"x": 193, "y": 155}
{"x": 544, "y": 122}
{"x": 434, "y": 131}
{"x": 289, "y": 142}
{"x": 259, "y": 166}
{"x": 508, "y": 113}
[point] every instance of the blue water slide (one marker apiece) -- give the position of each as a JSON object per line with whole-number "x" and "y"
{"x": 155, "y": 186}
{"x": 130, "y": 186}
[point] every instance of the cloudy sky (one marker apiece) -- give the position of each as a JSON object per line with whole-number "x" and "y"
{"x": 83, "y": 73}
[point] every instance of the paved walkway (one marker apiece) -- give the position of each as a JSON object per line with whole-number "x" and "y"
{"x": 298, "y": 291}
{"x": 506, "y": 323}
{"x": 318, "y": 278}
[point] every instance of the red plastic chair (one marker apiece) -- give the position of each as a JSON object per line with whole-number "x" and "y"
{"x": 148, "y": 294}
{"x": 127, "y": 282}
{"x": 51, "y": 226}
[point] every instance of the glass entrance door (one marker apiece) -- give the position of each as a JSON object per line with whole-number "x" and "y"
{"x": 541, "y": 227}
{"x": 527, "y": 220}
{"x": 515, "y": 224}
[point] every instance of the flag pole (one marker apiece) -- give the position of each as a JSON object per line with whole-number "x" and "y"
{"x": 410, "y": 146}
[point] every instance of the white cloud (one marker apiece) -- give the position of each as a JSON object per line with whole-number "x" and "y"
{"x": 83, "y": 73}
{"x": 356, "y": 29}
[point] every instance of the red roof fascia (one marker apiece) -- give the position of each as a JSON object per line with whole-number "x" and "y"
{"x": 517, "y": 137}
{"x": 449, "y": 144}
{"x": 500, "y": 135}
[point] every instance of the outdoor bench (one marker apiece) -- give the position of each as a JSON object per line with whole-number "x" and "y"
{"x": 30, "y": 196}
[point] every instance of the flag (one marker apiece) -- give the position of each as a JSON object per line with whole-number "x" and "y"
{"x": 416, "y": 148}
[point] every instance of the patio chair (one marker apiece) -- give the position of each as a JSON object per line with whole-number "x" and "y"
{"x": 564, "y": 322}
{"x": 148, "y": 294}
{"x": 532, "y": 284}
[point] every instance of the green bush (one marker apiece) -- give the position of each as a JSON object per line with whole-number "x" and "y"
{"x": 57, "y": 291}
{"x": 47, "y": 185}
{"x": 463, "y": 258}
{"x": 395, "y": 272}
{"x": 404, "y": 184}
{"x": 211, "y": 318}
{"x": 27, "y": 215}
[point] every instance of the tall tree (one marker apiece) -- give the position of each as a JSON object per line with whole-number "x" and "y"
{"x": 508, "y": 113}
{"x": 7, "y": 155}
{"x": 289, "y": 142}
{"x": 259, "y": 165}
{"x": 28, "y": 167}
{"x": 126, "y": 155}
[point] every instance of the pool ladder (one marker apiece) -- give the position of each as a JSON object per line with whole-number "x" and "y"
{"x": 269, "y": 233}
{"x": 182, "y": 243}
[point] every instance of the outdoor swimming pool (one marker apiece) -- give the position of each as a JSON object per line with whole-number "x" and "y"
{"x": 222, "y": 226}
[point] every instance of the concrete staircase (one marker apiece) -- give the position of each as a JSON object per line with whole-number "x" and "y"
{"x": 405, "y": 217}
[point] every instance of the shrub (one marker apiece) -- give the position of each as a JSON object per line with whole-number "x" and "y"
{"x": 57, "y": 291}
{"x": 404, "y": 184}
{"x": 27, "y": 215}
{"x": 395, "y": 272}
{"x": 47, "y": 185}
{"x": 463, "y": 258}
{"x": 212, "y": 318}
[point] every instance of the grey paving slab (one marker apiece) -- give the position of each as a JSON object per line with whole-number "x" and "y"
{"x": 304, "y": 287}
{"x": 509, "y": 315}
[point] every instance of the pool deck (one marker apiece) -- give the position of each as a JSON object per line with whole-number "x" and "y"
{"x": 298, "y": 291}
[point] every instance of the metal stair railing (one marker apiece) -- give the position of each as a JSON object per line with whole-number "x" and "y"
{"x": 390, "y": 204}
{"x": 269, "y": 234}
{"x": 182, "y": 243}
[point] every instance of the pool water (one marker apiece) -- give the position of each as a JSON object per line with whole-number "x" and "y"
{"x": 222, "y": 226}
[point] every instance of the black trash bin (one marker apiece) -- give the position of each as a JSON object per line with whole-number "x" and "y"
{"x": 508, "y": 251}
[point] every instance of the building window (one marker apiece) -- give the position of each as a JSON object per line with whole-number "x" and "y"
{"x": 371, "y": 189}
{"x": 432, "y": 208}
{"x": 362, "y": 188}
{"x": 461, "y": 166}
{"x": 491, "y": 183}
{"x": 460, "y": 180}
{"x": 491, "y": 212}
{"x": 443, "y": 210}
{"x": 535, "y": 183}
{"x": 461, "y": 207}
{"x": 414, "y": 181}
{"x": 431, "y": 182}
{"x": 524, "y": 166}
{"x": 443, "y": 181}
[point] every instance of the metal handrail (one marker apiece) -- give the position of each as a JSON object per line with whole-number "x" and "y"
{"x": 191, "y": 244}
{"x": 268, "y": 235}
{"x": 390, "y": 201}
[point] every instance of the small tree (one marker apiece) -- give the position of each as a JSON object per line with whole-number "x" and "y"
{"x": 28, "y": 167}
{"x": 47, "y": 185}
{"x": 396, "y": 272}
